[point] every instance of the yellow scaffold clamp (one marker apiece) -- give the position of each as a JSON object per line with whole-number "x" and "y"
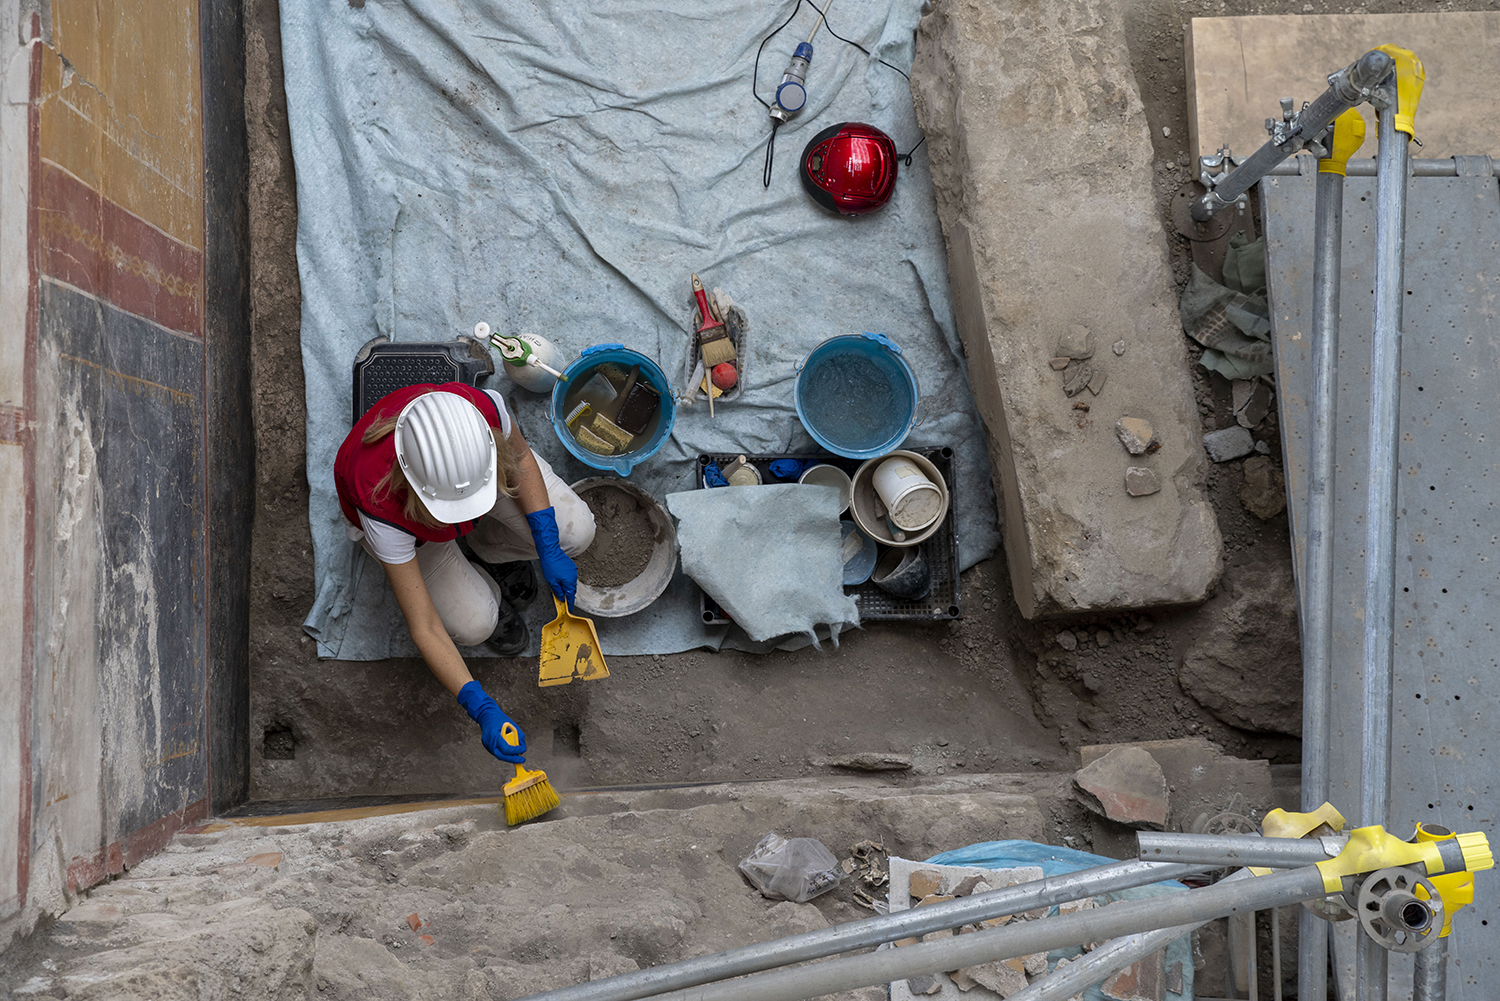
{"x": 1410, "y": 76}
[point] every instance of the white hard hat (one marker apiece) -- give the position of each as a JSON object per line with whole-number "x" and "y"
{"x": 444, "y": 446}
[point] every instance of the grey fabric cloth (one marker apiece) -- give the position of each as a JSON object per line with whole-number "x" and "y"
{"x": 771, "y": 556}
{"x": 563, "y": 168}
{"x": 1233, "y": 320}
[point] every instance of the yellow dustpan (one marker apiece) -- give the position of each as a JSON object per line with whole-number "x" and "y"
{"x": 570, "y": 650}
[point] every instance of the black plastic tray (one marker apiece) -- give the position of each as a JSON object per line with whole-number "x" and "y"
{"x": 875, "y": 605}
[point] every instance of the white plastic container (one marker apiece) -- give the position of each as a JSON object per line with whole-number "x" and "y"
{"x": 517, "y": 352}
{"x": 911, "y": 499}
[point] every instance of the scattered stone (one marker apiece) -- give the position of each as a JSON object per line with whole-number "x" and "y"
{"x": 995, "y": 922}
{"x": 1264, "y": 492}
{"x": 1174, "y": 978}
{"x": 1058, "y": 364}
{"x": 1118, "y": 347}
{"x": 935, "y": 898}
{"x": 1230, "y": 443}
{"x": 938, "y": 936}
{"x": 927, "y": 983}
{"x": 1251, "y": 401}
{"x": 1203, "y": 780}
{"x": 1247, "y": 667}
{"x": 1077, "y": 343}
{"x": 1135, "y": 433}
{"x": 962, "y": 980}
{"x": 924, "y": 883}
{"x": 873, "y": 761}
{"x": 1262, "y": 448}
{"x": 1126, "y": 786}
{"x": 414, "y": 920}
{"x": 1103, "y": 638}
{"x": 1076, "y": 377}
{"x": 1096, "y": 381}
{"x": 1143, "y": 980}
{"x": 1166, "y": 133}
{"x": 1067, "y": 640}
{"x": 791, "y": 918}
{"x": 1000, "y": 977}
{"x": 1035, "y": 964}
{"x": 1074, "y": 906}
{"x": 971, "y": 884}
{"x": 1141, "y": 481}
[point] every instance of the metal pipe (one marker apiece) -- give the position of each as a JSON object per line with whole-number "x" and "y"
{"x": 1100, "y": 964}
{"x": 1236, "y": 849}
{"x": 1276, "y": 953}
{"x": 1317, "y": 568}
{"x": 1367, "y": 168}
{"x": 873, "y": 931}
{"x": 1380, "y": 509}
{"x": 1346, "y": 88}
{"x": 1430, "y": 973}
{"x": 1018, "y": 938}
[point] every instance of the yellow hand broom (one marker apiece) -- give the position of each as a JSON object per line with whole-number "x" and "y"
{"x": 529, "y": 794}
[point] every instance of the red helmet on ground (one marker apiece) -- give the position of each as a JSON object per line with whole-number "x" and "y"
{"x": 850, "y": 168}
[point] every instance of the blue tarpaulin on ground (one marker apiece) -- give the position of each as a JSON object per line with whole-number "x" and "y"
{"x": 562, "y": 168}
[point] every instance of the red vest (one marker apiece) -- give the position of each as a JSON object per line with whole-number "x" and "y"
{"x": 359, "y": 467}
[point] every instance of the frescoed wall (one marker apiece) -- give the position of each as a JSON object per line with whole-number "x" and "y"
{"x": 120, "y": 410}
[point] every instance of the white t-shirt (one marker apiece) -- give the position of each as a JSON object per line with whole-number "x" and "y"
{"x": 390, "y": 544}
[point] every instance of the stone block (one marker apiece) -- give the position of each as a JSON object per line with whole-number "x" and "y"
{"x": 1043, "y": 171}
{"x": 1127, "y": 786}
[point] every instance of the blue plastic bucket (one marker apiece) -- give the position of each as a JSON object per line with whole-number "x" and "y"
{"x": 591, "y": 359}
{"x": 856, "y": 395}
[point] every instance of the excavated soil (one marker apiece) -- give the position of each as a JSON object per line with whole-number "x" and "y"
{"x": 623, "y": 538}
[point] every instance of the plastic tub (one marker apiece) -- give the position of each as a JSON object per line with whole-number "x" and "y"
{"x": 856, "y": 395}
{"x": 651, "y": 374}
{"x": 859, "y": 554}
{"x": 632, "y": 597}
{"x": 870, "y": 514}
{"x": 824, "y": 475}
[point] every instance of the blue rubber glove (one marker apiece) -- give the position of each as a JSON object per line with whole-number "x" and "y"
{"x": 560, "y": 572}
{"x": 492, "y": 719}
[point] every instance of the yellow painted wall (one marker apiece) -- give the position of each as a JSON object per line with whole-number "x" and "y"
{"x": 121, "y": 108}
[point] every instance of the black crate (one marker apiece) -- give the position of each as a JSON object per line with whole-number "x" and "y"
{"x": 875, "y": 605}
{"x": 383, "y": 366}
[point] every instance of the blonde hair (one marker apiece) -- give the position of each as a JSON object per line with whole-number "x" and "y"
{"x": 393, "y": 484}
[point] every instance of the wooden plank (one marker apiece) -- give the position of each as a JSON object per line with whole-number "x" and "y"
{"x": 1240, "y": 67}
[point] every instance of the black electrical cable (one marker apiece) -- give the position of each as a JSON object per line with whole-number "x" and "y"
{"x": 776, "y": 123}
{"x": 770, "y": 151}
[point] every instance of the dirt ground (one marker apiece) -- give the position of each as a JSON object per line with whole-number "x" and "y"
{"x": 949, "y": 709}
{"x": 990, "y": 692}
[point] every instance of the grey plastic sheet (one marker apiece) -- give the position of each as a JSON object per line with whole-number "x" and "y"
{"x": 562, "y": 169}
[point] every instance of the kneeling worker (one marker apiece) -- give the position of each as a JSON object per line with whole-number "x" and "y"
{"x": 427, "y": 465}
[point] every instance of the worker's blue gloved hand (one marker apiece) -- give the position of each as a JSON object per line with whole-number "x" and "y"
{"x": 507, "y": 743}
{"x": 560, "y": 572}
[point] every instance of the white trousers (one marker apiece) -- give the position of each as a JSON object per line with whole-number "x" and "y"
{"x": 468, "y": 599}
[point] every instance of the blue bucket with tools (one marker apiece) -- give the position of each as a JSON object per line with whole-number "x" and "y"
{"x": 578, "y": 375}
{"x": 856, "y": 395}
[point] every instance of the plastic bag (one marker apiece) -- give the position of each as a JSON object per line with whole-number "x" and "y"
{"x": 796, "y": 869}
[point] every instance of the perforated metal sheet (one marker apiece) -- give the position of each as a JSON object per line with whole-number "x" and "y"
{"x": 1446, "y": 716}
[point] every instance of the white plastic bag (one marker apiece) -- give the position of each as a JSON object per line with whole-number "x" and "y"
{"x": 796, "y": 869}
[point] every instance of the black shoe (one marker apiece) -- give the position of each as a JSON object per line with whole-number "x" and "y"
{"x": 517, "y": 580}
{"x": 511, "y": 636}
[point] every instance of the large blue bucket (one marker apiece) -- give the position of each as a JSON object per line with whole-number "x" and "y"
{"x": 591, "y": 359}
{"x": 856, "y": 395}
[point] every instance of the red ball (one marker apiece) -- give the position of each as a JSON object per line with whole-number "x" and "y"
{"x": 725, "y": 376}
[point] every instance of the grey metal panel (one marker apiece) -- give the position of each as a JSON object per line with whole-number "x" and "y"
{"x": 1447, "y": 674}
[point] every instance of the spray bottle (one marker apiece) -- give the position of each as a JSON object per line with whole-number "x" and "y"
{"x": 532, "y": 361}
